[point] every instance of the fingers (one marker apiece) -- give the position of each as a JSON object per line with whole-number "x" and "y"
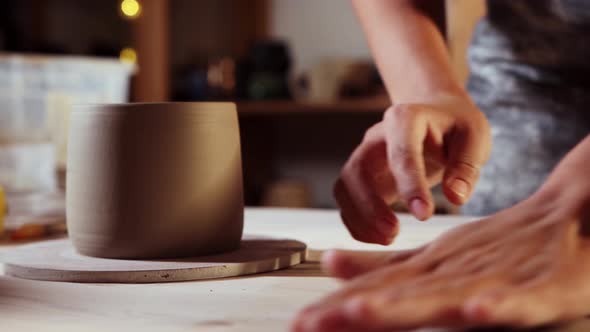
{"x": 365, "y": 214}
{"x": 405, "y": 141}
{"x": 334, "y": 320}
{"x": 480, "y": 301}
{"x": 387, "y": 309}
{"x": 361, "y": 199}
{"x": 349, "y": 264}
{"x": 440, "y": 307}
{"x": 467, "y": 153}
{"x": 541, "y": 300}
{"x": 327, "y": 315}
{"x": 522, "y": 307}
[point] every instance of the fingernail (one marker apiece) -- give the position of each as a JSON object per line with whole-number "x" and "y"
{"x": 309, "y": 309}
{"x": 357, "y": 308}
{"x": 385, "y": 227}
{"x": 419, "y": 208}
{"x": 329, "y": 261}
{"x": 459, "y": 187}
{"x": 481, "y": 309}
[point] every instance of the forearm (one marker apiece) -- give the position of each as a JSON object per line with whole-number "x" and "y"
{"x": 409, "y": 50}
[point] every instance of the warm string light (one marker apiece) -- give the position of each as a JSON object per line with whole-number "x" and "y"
{"x": 128, "y": 55}
{"x": 130, "y": 8}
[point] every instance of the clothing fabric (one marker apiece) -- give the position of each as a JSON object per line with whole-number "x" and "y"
{"x": 530, "y": 74}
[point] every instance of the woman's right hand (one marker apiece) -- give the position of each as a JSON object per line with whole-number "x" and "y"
{"x": 414, "y": 147}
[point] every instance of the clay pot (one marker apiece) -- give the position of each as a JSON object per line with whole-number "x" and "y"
{"x": 154, "y": 180}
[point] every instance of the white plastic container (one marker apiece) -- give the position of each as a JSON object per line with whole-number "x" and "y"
{"x": 36, "y": 97}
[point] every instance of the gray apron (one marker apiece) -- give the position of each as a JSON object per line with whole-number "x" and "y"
{"x": 530, "y": 74}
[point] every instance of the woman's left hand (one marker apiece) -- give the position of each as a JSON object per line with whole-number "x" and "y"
{"x": 525, "y": 266}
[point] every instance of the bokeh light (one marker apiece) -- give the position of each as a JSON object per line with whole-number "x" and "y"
{"x": 128, "y": 55}
{"x": 130, "y": 8}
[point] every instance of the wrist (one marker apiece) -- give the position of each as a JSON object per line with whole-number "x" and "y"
{"x": 569, "y": 180}
{"x": 565, "y": 196}
{"x": 437, "y": 96}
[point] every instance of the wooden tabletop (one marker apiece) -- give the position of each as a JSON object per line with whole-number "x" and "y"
{"x": 264, "y": 302}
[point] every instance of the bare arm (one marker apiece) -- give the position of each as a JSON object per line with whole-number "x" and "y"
{"x": 432, "y": 133}
{"x": 408, "y": 49}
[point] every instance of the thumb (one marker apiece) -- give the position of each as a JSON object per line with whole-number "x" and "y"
{"x": 468, "y": 151}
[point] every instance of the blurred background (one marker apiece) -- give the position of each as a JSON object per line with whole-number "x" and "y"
{"x": 299, "y": 71}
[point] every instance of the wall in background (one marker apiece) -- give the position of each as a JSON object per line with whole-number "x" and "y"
{"x": 316, "y": 29}
{"x": 196, "y": 31}
{"x": 63, "y": 26}
{"x": 85, "y": 26}
{"x": 314, "y": 151}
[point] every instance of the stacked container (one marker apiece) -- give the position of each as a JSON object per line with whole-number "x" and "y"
{"x": 36, "y": 96}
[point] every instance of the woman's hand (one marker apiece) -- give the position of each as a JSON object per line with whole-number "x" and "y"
{"x": 525, "y": 266}
{"x": 401, "y": 157}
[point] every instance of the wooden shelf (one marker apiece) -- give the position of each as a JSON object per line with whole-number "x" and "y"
{"x": 283, "y": 107}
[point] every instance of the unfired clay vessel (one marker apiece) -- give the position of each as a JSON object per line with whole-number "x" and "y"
{"x": 154, "y": 180}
